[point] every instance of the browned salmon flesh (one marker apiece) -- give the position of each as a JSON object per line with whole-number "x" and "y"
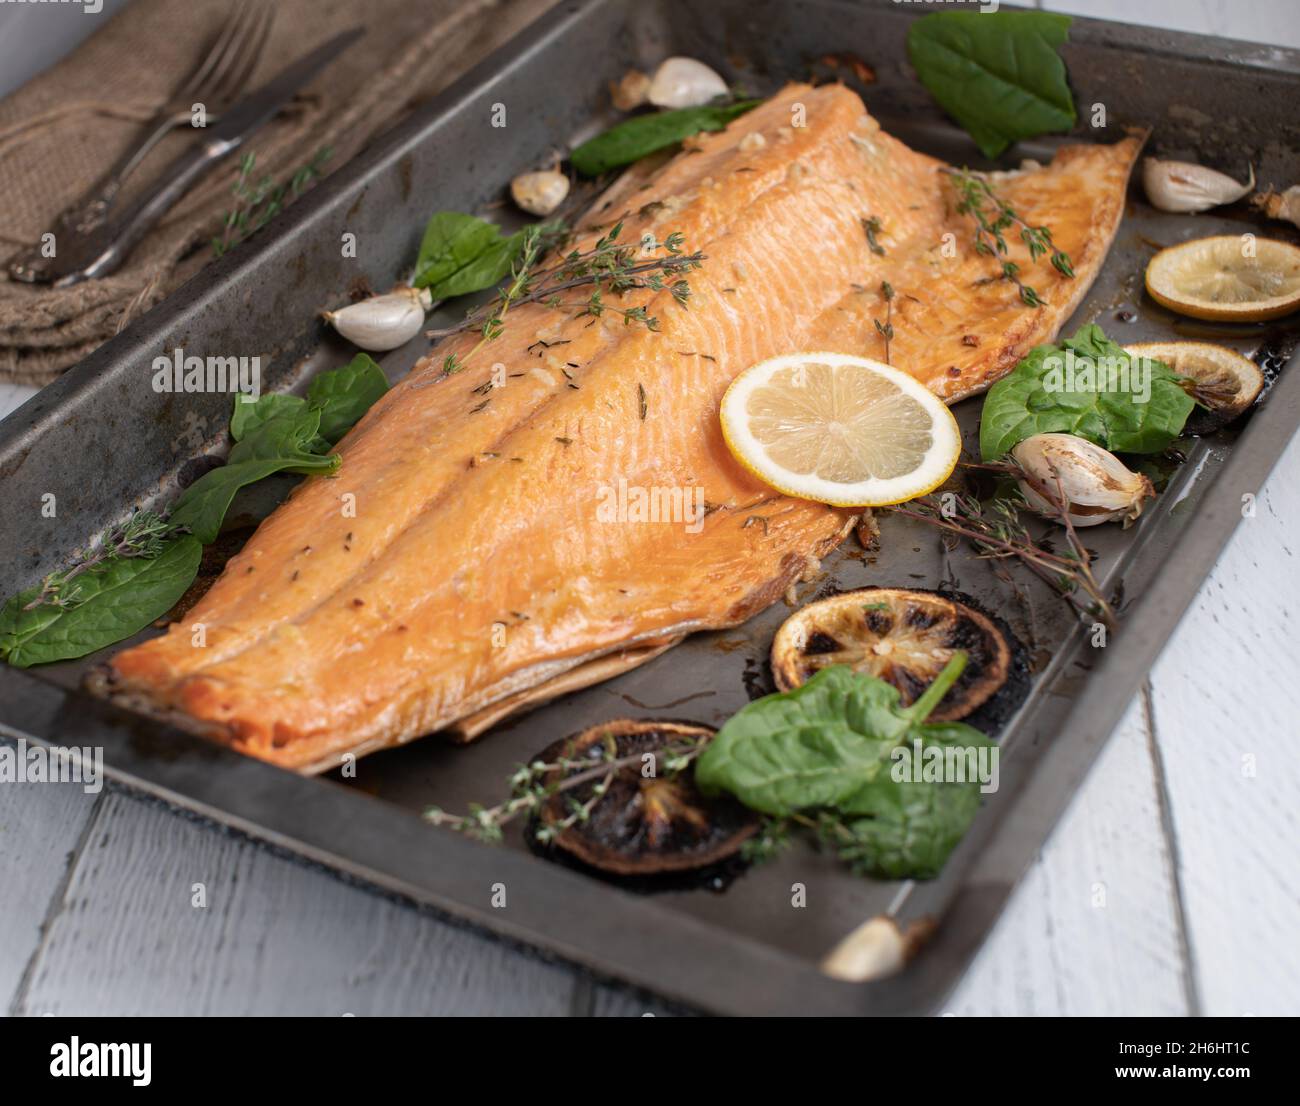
{"x": 588, "y": 514}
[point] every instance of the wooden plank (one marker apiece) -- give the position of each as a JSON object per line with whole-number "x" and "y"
{"x": 41, "y": 828}
{"x": 275, "y": 936}
{"x": 1224, "y": 717}
{"x": 1092, "y": 929}
{"x": 1271, "y": 21}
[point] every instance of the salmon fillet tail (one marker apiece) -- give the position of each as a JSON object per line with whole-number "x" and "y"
{"x": 565, "y": 507}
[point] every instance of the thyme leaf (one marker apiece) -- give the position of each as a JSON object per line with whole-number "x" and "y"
{"x": 993, "y": 218}
{"x": 872, "y": 227}
{"x": 257, "y": 203}
{"x": 611, "y": 267}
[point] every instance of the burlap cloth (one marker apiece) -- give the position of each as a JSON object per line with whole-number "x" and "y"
{"x": 62, "y": 130}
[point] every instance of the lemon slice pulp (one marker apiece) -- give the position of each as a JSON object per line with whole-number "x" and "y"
{"x": 839, "y": 429}
{"x": 1219, "y": 278}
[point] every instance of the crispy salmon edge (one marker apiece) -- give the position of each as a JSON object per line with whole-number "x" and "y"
{"x": 525, "y": 690}
{"x": 1098, "y": 246}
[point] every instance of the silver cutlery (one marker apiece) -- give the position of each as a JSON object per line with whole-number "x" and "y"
{"x": 106, "y": 246}
{"x": 218, "y": 78}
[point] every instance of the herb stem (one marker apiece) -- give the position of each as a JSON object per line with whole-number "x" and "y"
{"x": 930, "y": 698}
{"x": 140, "y": 536}
{"x": 607, "y": 267}
{"x": 976, "y": 198}
{"x": 1049, "y": 560}
{"x": 530, "y": 792}
{"x": 1003, "y": 537}
{"x": 257, "y": 204}
{"x": 886, "y": 329}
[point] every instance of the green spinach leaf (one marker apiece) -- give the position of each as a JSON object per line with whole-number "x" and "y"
{"x": 634, "y": 138}
{"x": 810, "y": 747}
{"x": 112, "y": 601}
{"x": 344, "y": 395}
{"x": 1086, "y": 386}
{"x": 281, "y": 444}
{"x": 461, "y": 254}
{"x": 912, "y": 829}
{"x": 904, "y": 826}
{"x": 997, "y": 73}
{"x": 281, "y": 433}
{"x": 249, "y": 413}
{"x": 841, "y": 747}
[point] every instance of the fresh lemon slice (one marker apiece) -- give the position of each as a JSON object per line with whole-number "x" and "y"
{"x": 839, "y": 429}
{"x": 1214, "y": 278}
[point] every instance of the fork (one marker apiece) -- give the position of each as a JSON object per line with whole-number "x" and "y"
{"x": 218, "y": 78}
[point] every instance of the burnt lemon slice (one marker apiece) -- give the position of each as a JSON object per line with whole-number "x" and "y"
{"x": 901, "y": 635}
{"x": 650, "y": 819}
{"x": 1221, "y": 380}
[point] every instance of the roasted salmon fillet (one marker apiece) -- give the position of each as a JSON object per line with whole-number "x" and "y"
{"x": 589, "y": 514}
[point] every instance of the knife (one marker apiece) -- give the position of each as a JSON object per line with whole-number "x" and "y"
{"x": 105, "y": 248}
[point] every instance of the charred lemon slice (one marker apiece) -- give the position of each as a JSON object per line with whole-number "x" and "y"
{"x": 904, "y": 637}
{"x": 1221, "y": 380}
{"x": 839, "y": 429}
{"x": 1219, "y": 278}
{"x": 651, "y": 818}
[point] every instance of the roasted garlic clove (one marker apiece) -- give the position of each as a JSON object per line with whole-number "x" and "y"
{"x": 382, "y": 322}
{"x": 684, "y": 83}
{"x": 1089, "y": 483}
{"x": 540, "y": 193}
{"x": 878, "y": 948}
{"x": 1184, "y": 187}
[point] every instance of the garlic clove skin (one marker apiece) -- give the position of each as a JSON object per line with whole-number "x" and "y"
{"x": 1095, "y": 484}
{"x": 540, "y": 193}
{"x": 1280, "y": 205}
{"x": 382, "y": 322}
{"x": 684, "y": 83}
{"x": 631, "y": 91}
{"x": 1183, "y": 187}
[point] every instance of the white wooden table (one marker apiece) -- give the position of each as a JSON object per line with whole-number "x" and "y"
{"x": 1170, "y": 887}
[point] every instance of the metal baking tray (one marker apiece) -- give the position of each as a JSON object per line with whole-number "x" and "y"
{"x": 103, "y": 442}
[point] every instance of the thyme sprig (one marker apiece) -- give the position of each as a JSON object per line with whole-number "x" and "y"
{"x": 771, "y": 840}
{"x": 996, "y": 530}
{"x": 609, "y": 268}
{"x": 530, "y": 790}
{"x": 993, "y": 217}
{"x": 257, "y": 203}
{"x": 142, "y": 535}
